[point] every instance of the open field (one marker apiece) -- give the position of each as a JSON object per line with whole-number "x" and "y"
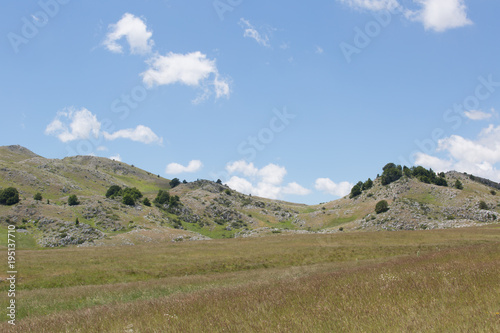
{"x": 439, "y": 280}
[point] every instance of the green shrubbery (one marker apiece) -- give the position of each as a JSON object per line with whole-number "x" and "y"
{"x": 9, "y": 196}
{"x": 73, "y": 200}
{"x": 381, "y": 207}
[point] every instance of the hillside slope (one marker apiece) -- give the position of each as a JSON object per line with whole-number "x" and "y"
{"x": 209, "y": 209}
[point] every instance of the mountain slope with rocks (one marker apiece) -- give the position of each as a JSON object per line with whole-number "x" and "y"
{"x": 205, "y": 209}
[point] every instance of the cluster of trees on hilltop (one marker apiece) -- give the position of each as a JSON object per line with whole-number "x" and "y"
{"x": 392, "y": 172}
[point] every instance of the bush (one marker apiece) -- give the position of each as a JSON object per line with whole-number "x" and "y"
{"x": 73, "y": 200}
{"x": 493, "y": 192}
{"x": 113, "y": 191}
{"x": 133, "y": 192}
{"x": 9, "y": 196}
{"x": 38, "y": 196}
{"x": 128, "y": 200}
{"x": 162, "y": 197}
{"x": 483, "y": 205}
{"x": 381, "y": 207}
{"x": 355, "y": 191}
{"x": 174, "y": 182}
{"x": 146, "y": 202}
{"x": 391, "y": 173}
{"x": 458, "y": 185}
{"x": 367, "y": 185}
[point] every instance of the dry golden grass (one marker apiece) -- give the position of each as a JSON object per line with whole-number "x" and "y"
{"x": 421, "y": 281}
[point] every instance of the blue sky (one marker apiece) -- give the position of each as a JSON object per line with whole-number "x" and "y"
{"x": 289, "y": 100}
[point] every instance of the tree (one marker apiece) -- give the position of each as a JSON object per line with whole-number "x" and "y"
{"x": 162, "y": 197}
{"x": 128, "y": 200}
{"x": 9, "y": 196}
{"x": 174, "y": 182}
{"x": 391, "y": 173}
{"x": 458, "y": 185}
{"x": 133, "y": 192}
{"x": 440, "y": 181}
{"x": 355, "y": 191}
{"x": 146, "y": 202}
{"x": 381, "y": 207}
{"x": 38, "y": 196}
{"x": 77, "y": 222}
{"x": 219, "y": 181}
{"x": 113, "y": 191}
{"x": 184, "y": 181}
{"x": 483, "y": 205}
{"x": 73, "y": 200}
{"x": 367, "y": 185}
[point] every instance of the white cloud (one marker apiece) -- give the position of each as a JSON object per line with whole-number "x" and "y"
{"x": 135, "y": 32}
{"x": 72, "y": 124}
{"x": 328, "y": 186}
{"x": 176, "y": 168}
{"x": 265, "y": 182}
{"x": 116, "y": 157}
{"x": 479, "y": 157}
{"x": 319, "y": 50}
{"x": 294, "y": 188}
{"x": 251, "y": 32}
{"x": 478, "y": 115}
{"x": 192, "y": 69}
{"x": 139, "y": 134}
{"x": 441, "y": 15}
{"x": 374, "y": 5}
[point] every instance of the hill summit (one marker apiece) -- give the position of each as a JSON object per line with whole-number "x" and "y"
{"x": 89, "y": 201}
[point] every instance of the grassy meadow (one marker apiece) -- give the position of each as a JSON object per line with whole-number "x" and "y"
{"x": 415, "y": 281}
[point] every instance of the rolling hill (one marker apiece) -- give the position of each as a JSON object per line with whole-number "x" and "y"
{"x": 211, "y": 210}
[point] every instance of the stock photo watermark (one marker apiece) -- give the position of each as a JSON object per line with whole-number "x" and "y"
{"x": 363, "y": 37}
{"x": 223, "y": 6}
{"x": 31, "y": 26}
{"x": 454, "y": 116}
{"x": 253, "y": 144}
{"x": 12, "y": 273}
{"x": 122, "y": 107}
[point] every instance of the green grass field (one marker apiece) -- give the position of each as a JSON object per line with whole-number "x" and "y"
{"x": 415, "y": 281}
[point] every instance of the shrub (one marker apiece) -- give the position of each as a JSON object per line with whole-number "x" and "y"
{"x": 38, "y": 196}
{"x": 9, "y": 196}
{"x": 493, "y": 192}
{"x": 227, "y": 192}
{"x": 162, "y": 197}
{"x": 146, "y": 202}
{"x": 77, "y": 222}
{"x": 174, "y": 182}
{"x": 219, "y": 181}
{"x": 483, "y": 205}
{"x": 128, "y": 200}
{"x": 355, "y": 191}
{"x": 458, "y": 185}
{"x": 391, "y": 173}
{"x": 73, "y": 200}
{"x": 133, "y": 192}
{"x": 367, "y": 185}
{"x": 113, "y": 191}
{"x": 381, "y": 207}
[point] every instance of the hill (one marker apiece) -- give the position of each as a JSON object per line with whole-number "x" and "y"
{"x": 208, "y": 209}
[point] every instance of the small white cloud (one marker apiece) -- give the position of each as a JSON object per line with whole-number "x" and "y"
{"x": 72, "y": 124}
{"x": 373, "y": 5}
{"x": 440, "y": 15}
{"x": 192, "y": 69}
{"x": 294, "y": 188}
{"x": 116, "y": 157}
{"x": 478, "y": 115}
{"x": 265, "y": 182}
{"x": 176, "y": 168}
{"x": 251, "y": 32}
{"x": 326, "y": 185}
{"x": 319, "y": 50}
{"x": 140, "y": 134}
{"x": 135, "y": 32}
{"x": 433, "y": 162}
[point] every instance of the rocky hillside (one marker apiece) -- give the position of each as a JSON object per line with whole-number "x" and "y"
{"x": 210, "y": 210}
